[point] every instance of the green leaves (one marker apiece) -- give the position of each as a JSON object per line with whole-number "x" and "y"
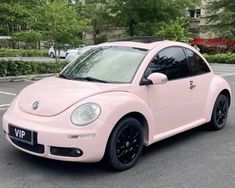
{"x": 17, "y": 68}
{"x": 31, "y": 21}
{"x": 15, "y": 15}
{"x": 5, "y": 52}
{"x": 58, "y": 22}
{"x": 228, "y": 58}
{"x": 140, "y": 17}
{"x": 28, "y": 36}
{"x": 176, "y": 30}
{"x": 221, "y": 19}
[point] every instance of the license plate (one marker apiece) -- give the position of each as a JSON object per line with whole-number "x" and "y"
{"x": 21, "y": 134}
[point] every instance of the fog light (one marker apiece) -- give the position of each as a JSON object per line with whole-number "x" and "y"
{"x": 66, "y": 152}
{"x": 76, "y": 152}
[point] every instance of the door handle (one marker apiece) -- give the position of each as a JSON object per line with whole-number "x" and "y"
{"x": 192, "y": 85}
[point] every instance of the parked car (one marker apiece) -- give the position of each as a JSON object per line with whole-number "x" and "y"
{"x": 112, "y": 101}
{"x": 63, "y": 52}
{"x": 72, "y": 54}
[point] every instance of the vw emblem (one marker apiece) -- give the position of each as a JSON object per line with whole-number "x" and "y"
{"x": 35, "y": 105}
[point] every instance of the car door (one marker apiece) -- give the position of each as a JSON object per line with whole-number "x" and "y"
{"x": 173, "y": 103}
{"x": 201, "y": 77}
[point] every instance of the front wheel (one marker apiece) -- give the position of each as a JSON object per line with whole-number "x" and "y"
{"x": 125, "y": 144}
{"x": 220, "y": 113}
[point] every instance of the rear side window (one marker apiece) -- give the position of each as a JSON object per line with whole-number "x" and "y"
{"x": 197, "y": 65}
{"x": 170, "y": 61}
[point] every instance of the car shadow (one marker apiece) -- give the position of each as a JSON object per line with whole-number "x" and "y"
{"x": 176, "y": 140}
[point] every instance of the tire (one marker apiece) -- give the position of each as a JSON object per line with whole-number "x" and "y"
{"x": 220, "y": 113}
{"x": 52, "y": 55}
{"x": 125, "y": 145}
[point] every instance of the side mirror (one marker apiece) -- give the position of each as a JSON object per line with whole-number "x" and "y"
{"x": 157, "y": 78}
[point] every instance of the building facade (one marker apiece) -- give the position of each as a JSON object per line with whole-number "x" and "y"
{"x": 198, "y": 18}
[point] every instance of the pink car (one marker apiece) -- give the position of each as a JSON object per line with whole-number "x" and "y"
{"x": 114, "y": 100}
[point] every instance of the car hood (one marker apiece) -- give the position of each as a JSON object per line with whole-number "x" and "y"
{"x": 54, "y": 95}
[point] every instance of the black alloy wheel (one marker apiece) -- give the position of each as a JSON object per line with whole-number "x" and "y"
{"x": 220, "y": 112}
{"x": 125, "y": 144}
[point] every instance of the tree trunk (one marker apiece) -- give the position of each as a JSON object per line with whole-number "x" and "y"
{"x": 131, "y": 27}
{"x": 56, "y": 57}
{"x": 95, "y": 32}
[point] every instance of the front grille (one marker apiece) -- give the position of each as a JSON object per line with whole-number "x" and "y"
{"x": 36, "y": 148}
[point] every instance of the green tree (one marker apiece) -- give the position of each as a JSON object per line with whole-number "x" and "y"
{"x": 221, "y": 19}
{"x": 30, "y": 37}
{"x": 142, "y": 16}
{"x": 96, "y": 12}
{"x": 59, "y": 23}
{"x": 176, "y": 30}
{"x": 15, "y": 15}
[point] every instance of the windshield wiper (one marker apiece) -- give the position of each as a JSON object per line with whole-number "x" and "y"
{"x": 88, "y": 78}
{"x": 63, "y": 76}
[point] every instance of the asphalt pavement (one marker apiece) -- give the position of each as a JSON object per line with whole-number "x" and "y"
{"x": 197, "y": 158}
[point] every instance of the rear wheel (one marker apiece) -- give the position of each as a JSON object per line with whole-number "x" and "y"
{"x": 220, "y": 113}
{"x": 125, "y": 144}
{"x": 52, "y": 55}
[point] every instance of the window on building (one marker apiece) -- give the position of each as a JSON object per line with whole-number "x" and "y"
{"x": 198, "y": 13}
{"x": 195, "y": 13}
{"x": 191, "y": 13}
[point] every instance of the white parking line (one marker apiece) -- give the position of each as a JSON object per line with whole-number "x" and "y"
{"x": 227, "y": 74}
{"x": 4, "y": 105}
{"x": 7, "y": 93}
{"x": 29, "y": 81}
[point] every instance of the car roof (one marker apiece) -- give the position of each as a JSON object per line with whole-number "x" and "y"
{"x": 147, "y": 46}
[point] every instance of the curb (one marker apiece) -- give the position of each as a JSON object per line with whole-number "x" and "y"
{"x": 25, "y": 77}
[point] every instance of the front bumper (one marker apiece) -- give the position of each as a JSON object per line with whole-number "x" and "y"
{"x": 58, "y": 132}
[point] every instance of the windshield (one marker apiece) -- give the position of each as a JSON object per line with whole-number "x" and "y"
{"x": 106, "y": 64}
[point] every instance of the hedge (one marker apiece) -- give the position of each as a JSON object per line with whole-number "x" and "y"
{"x": 228, "y": 58}
{"x": 17, "y": 68}
{"x": 7, "y": 52}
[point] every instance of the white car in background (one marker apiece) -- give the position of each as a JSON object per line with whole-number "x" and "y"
{"x": 73, "y": 53}
{"x": 63, "y": 52}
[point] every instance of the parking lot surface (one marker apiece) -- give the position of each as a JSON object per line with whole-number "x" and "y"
{"x": 197, "y": 158}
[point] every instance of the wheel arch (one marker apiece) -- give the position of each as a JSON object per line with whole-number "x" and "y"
{"x": 227, "y": 94}
{"x": 218, "y": 86}
{"x": 143, "y": 121}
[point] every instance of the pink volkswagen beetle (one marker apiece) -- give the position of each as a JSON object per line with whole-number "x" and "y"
{"x": 115, "y": 99}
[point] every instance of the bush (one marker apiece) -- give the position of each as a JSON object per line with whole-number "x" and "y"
{"x": 6, "y": 52}
{"x": 216, "y": 49}
{"x": 221, "y": 58}
{"x": 100, "y": 39}
{"x": 176, "y": 30}
{"x": 17, "y": 68}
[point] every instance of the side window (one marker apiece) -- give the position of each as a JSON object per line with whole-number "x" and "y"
{"x": 197, "y": 65}
{"x": 171, "y": 61}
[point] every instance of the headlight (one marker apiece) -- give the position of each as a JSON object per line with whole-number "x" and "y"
{"x": 85, "y": 114}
